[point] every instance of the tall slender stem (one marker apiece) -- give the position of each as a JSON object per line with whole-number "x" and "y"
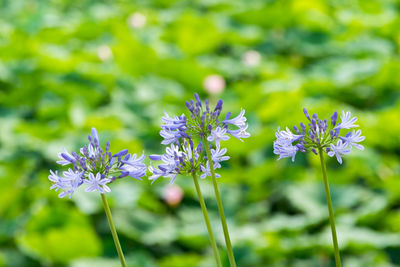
{"x": 113, "y": 231}
{"x": 331, "y": 217}
{"x": 207, "y": 220}
{"x": 220, "y": 207}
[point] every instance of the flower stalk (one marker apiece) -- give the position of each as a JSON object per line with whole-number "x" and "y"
{"x": 331, "y": 215}
{"x": 182, "y": 156}
{"x": 113, "y": 230}
{"x": 220, "y": 206}
{"x": 207, "y": 220}
{"x": 336, "y": 139}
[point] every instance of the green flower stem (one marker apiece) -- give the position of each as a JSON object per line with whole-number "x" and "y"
{"x": 113, "y": 231}
{"x": 207, "y": 220}
{"x": 331, "y": 217}
{"x": 220, "y": 207}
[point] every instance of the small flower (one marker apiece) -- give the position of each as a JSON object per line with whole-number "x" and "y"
{"x": 285, "y": 150}
{"x": 217, "y": 135}
{"x": 173, "y": 128}
{"x": 339, "y": 150}
{"x": 207, "y": 171}
{"x": 240, "y": 133}
{"x": 319, "y": 136}
{"x": 156, "y": 173}
{"x": 176, "y": 160}
{"x": 238, "y": 121}
{"x": 170, "y": 136}
{"x": 351, "y": 139}
{"x": 92, "y": 159}
{"x": 60, "y": 183}
{"x": 217, "y": 155}
{"x": 134, "y": 167}
{"x": 347, "y": 122}
{"x": 73, "y": 178}
{"x": 287, "y": 136}
{"x": 97, "y": 183}
{"x": 178, "y": 122}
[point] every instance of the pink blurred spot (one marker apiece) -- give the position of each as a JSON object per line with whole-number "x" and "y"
{"x": 137, "y": 20}
{"x": 251, "y": 58}
{"x": 214, "y": 84}
{"x": 104, "y": 52}
{"x": 172, "y": 195}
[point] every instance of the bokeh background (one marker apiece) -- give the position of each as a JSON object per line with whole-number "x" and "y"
{"x": 67, "y": 66}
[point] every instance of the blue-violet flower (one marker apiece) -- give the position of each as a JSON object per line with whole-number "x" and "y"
{"x": 95, "y": 167}
{"x": 319, "y": 136}
{"x": 182, "y": 156}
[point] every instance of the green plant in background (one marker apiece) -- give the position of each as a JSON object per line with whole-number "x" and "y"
{"x": 320, "y": 137}
{"x": 182, "y": 157}
{"x": 97, "y": 168}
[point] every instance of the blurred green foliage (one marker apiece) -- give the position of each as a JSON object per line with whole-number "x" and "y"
{"x": 66, "y": 66}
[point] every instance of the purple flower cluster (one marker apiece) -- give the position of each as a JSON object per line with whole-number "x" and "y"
{"x": 183, "y": 156}
{"x": 319, "y": 135}
{"x": 95, "y": 167}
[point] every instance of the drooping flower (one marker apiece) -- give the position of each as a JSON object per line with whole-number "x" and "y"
{"x": 238, "y": 121}
{"x": 240, "y": 133}
{"x": 67, "y": 184}
{"x": 352, "y": 139}
{"x": 95, "y": 167}
{"x": 178, "y": 122}
{"x": 202, "y": 123}
{"x": 319, "y": 136}
{"x": 169, "y": 136}
{"x": 287, "y": 136}
{"x": 285, "y": 150}
{"x": 134, "y": 166}
{"x": 347, "y": 121}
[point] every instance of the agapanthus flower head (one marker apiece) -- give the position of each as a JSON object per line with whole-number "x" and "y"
{"x": 205, "y": 122}
{"x": 95, "y": 167}
{"x": 202, "y": 124}
{"x": 319, "y": 135}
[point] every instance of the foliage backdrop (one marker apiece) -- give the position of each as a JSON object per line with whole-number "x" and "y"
{"x": 66, "y": 66}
